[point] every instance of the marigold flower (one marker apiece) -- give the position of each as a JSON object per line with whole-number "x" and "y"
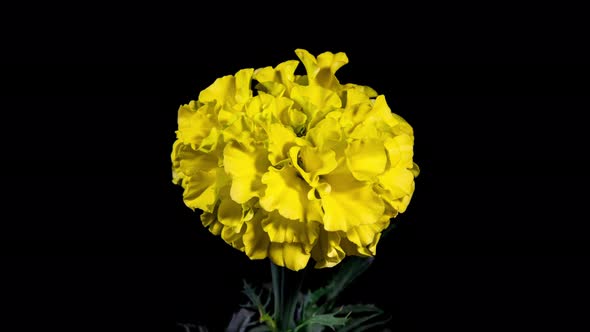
{"x": 299, "y": 166}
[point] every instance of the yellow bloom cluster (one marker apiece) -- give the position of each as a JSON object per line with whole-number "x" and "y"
{"x": 299, "y": 166}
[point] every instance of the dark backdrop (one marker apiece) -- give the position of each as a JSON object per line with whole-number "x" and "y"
{"x": 95, "y": 236}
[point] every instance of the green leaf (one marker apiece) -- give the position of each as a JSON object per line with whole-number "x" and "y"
{"x": 328, "y": 320}
{"x": 255, "y": 298}
{"x": 259, "y": 328}
{"x": 256, "y": 303}
{"x": 351, "y": 268}
{"x": 310, "y": 301}
{"x": 322, "y": 300}
{"x": 361, "y": 308}
{"x": 366, "y": 319}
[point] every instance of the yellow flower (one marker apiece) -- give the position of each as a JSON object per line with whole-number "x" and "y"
{"x": 299, "y": 167}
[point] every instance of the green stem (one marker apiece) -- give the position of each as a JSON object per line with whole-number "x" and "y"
{"x": 286, "y": 285}
{"x": 276, "y": 291}
{"x": 291, "y": 300}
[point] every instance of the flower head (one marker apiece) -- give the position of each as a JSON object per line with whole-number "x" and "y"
{"x": 298, "y": 167}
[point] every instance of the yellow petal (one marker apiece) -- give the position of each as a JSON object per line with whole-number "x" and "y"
{"x": 286, "y": 73}
{"x": 256, "y": 240}
{"x": 326, "y": 133}
{"x": 366, "y": 158}
{"x": 350, "y": 203}
{"x": 358, "y": 93}
{"x": 280, "y": 140}
{"x": 352, "y": 249}
{"x": 327, "y": 251}
{"x": 314, "y": 210}
{"x": 245, "y": 169}
{"x": 402, "y": 128}
{"x": 332, "y": 62}
{"x": 272, "y": 88}
{"x": 289, "y": 255}
{"x": 200, "y": 190}
{"x": 229, "y": 89}
{"x": 397, "y": 182}
{"x": 186, "y": 161}
{"x": 368, "y": 250}
{"x": 415, "y": 170}
{"x": 285, "y": 192}
{"x": 354, "y": 115}
{"x": 312, "y": 162}
{"x": 221, "y": 91}
{"x": 283, "y": 230}
{"x": 309, "y": 61}
{"x": 329, "y": 63}
{"x": 400, "y": 151}
{"x": 243, "y": 80}
{"x": 195, "y": 123}
{"x": 259, "y": 110}
{"x": 277, "y": 81}
{"x": 373, "y": 246}
{"x": 381, "y": 114}
{"x": 208, "y": 218}
{"x": 240, "y": 130}
{"x": 321, "y": 71}
{"x": 229, "y": 213}
{"x": 210, "y": 221}
{"x": 233, "y": 237}
{"x": 364, "y": 235}
{"x": 265, "y": 74}
{"x": 315, "y": 101}
{"x": 296, "y": 119}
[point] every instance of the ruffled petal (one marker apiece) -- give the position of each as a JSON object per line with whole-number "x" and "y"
{"x": 285, "y": 192}
{"x": 277, "y": 81}
{"x": 289, "y": 255}
{"x": 326, "y": 134}
{"x": 195, "y": 122}
{"x": 315, "y": 101}
{"x": 256, "y": 240}
{"x": 398, "y": 182}
{"x": 243, "y": 79}
{"x": 397, "y": 187}
{"x": 283, "y": 230}
{"x": 321, "y": 71}
{"x": 186, "y": 161}
{"x": 230, "y": 214}
{"x": 233, "y": 237}
{"x": 245, "y": 169}
{"x": 353, "y": 116}
{"x": 381, "y": 115}
{"x": 309, "y": 62}
{"x": 229, "y": 89}
{"x": 220, "y": 92}
{"x": 280, "y": 140}
{"x": 240, "y": 130}
{"x": 311, "y": 162}
{"x": 349, "y": 203}
{"x": 364, "y": 235}
{"x": 355, "y": 94}
{"x": 332, "y": 62}
{"x": 327, "y": 252}
{"x": 210, "y": 221}
{"x": 366, "y": 158}
{"x": 400, "y": 151}
{"x": 200, "y": 190}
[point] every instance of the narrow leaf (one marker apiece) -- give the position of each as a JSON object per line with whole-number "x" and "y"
{"x": 329, "y": 320}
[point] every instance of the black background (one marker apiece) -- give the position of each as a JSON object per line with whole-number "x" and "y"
{"x": 95, "y": 236}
